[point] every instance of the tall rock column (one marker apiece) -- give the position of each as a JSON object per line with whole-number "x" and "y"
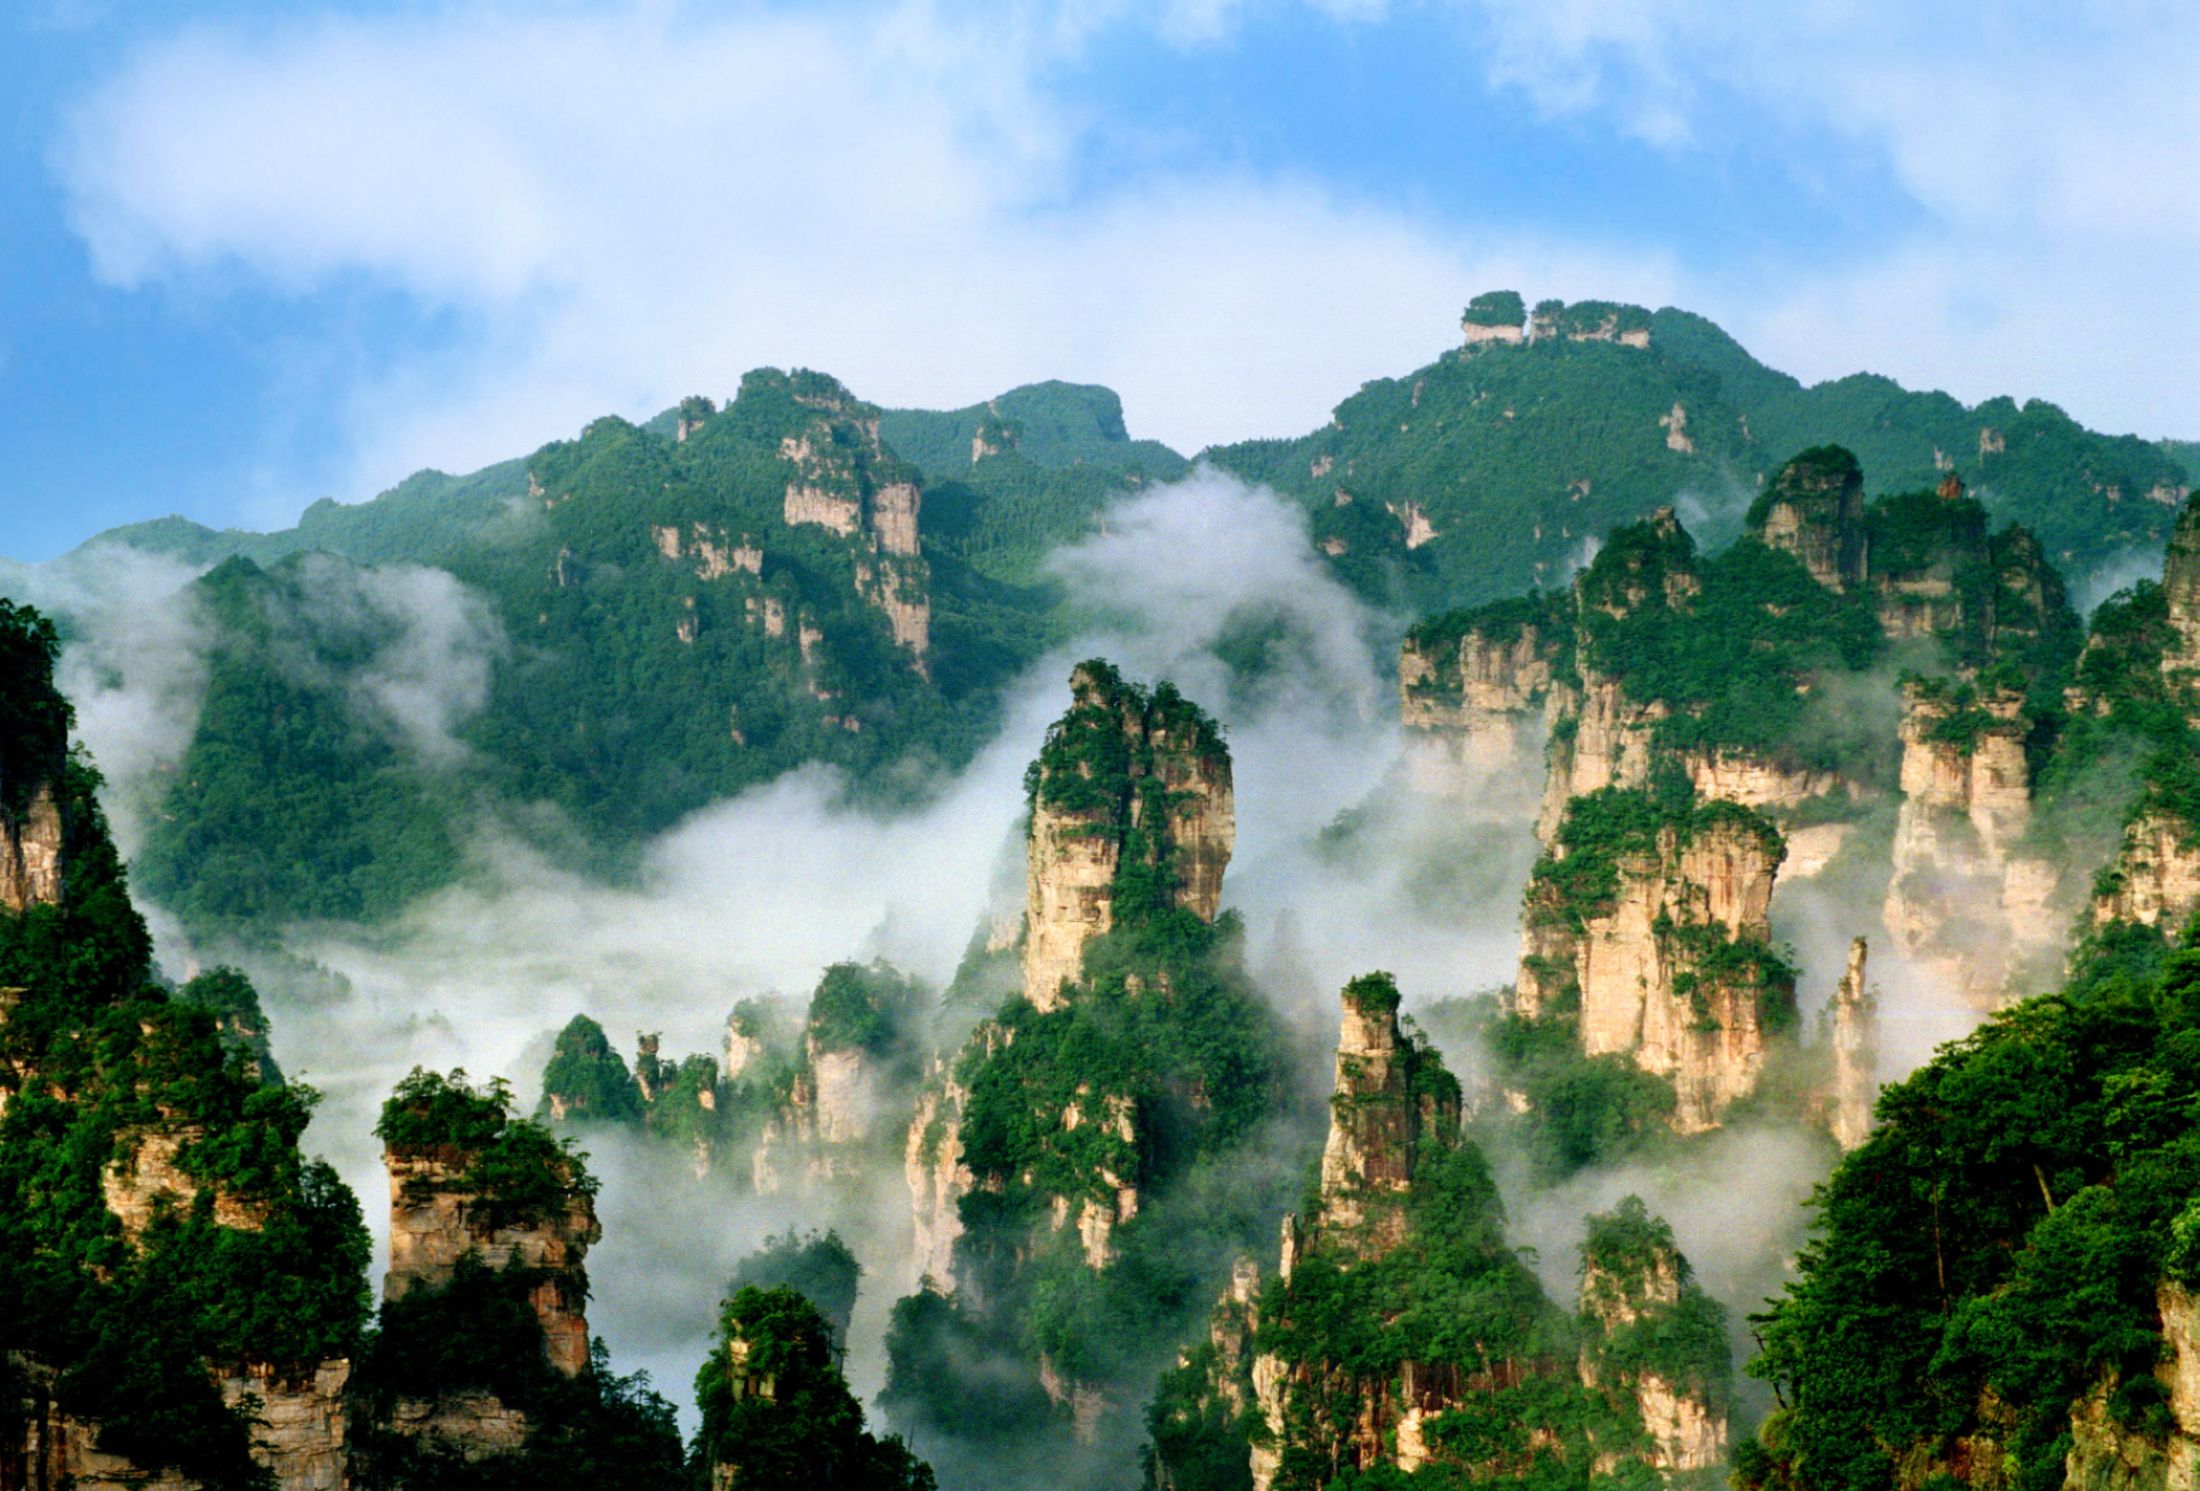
{"x": 1653, "y": 1336}
{"x": 1384, "y": 1108}
{"x": 2181, "y": 588}
{"x": 1648, "y": 929}
{"x": 1130, "y": 797}
{"x": 1814, "y": 509}
{"x": 1963, "y": 897}
{"x": 34, "y": 754}
{"x": 1855, "y": 1039}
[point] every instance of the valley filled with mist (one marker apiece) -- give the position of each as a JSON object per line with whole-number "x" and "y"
{"x": 1606, "y": 918}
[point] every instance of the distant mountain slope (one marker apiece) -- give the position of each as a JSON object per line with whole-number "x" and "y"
{"x": 1483, "y": 472}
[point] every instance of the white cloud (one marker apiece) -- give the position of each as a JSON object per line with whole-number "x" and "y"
{"x": 623, "y": 209}
{"x": 618, "y": 207}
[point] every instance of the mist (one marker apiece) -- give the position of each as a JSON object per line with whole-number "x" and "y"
{"x": 1359, "y": 847}
{"x": 1206, "y": 581}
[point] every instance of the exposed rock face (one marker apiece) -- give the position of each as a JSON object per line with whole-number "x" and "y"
{"x": 299, "y": 1435}
{"x": 2105, "y": 1455}
{"x": 471, "y": 1423}
{"x": 1635, "y": 1286}
{"x": 436, "y": 1218}
{"x": 1675, "y": 424}
{"x": 1814, "y": 509}
{"x": 140, "y": 1184}
{"x": 2181, "y": 588}
{"x": 932, "y": 1161}
{"x": 1957, "y": 871}
{"x": 843, "y": 1096}
{"x": 1854, "y": 1032}
{"x": 60, "y": 1452}
{"x": 1651, "y": 972}
{"x": 31, "y": 851}
{"x": 1608, "y": 746}
{"x": 2156, "y": 878}
{"x": 847, "y": 483}
{"x": 1121, "y": 771}
{"x": 1381, "y": 1112}
{"x": 1479, "y": 699}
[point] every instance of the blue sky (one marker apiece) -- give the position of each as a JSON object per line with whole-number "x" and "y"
{"x": 256, "y": 254}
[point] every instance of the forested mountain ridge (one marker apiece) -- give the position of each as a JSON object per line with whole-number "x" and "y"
{"x": 652, "y": 617}
{"x": 1484, "y": 472}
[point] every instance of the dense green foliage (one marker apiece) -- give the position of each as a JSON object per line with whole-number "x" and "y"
{"x": 871, "y": 1008}
{"x": 635, "y": 664}
{"x": 291, "y": 801}
{"x": 478, "y": 1336}
{"x": 104, "y": 1073}
{"x": 1454, "y": 1300}
{"x": 1496, "y": 308}
{"x": 1681, "y": 1341}
{"x": 586, "y": 1081}
{"x": 1152, "y": 1078}
{"x": 1991, "y": 1254}
{"x": 802, "y": 1432}
{"x": 516, "y": 1168}
{"x": 1516, "y": 454}
{"x": 820, "y": 1268}
{"x": 1733, "y": 657}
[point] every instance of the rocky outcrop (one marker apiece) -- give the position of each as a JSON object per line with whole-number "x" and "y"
{"x": 437, "y": 1216}
{"x": 1637, "y": 1295}
{"x": 1963, "y": 897}
{"x": 298, "y": 1420}
{"x": 31, "y": 850}
{"x": 1476, "y": 689}
{"x": 2181, "y": 588}
{"x": 49, "y": 1449}
{"x": 1129, "y": 786}
{"x": 1853, "y": 1031}
{"x": 707, "y": 548}
{"x": 932, "y": 1163}
{"x": 1495, "y": 318}
{"x": 470, "y": 1423}
{"x": 2155, "y": 880}
{"x": 144, "y": 1179}
{"x": 1392, "y": 1102}
{"x": 2110, "y": 1453}
{"x": 1814, "y": 509}
{"x": 847, "y": 483}
{"x": 1657, "y": 945}
{"x": 1590, "y": 321}
{"x": 1383, "y": 1109}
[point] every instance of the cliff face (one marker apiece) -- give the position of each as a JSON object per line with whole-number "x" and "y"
{"x": 1131, "y": 793}
{"x": 1814, "y": 509}
{"x": 844, "y": 481}
{"x": 2107, "y": 1455}
{"x": 1854, "y": 1033}
{"x": 2181, "y": 588}
{"x": 2155, "y": 880}
{"x": 146, "y": 1178}
{"x": 436, "y": 1217}
{"x": 1659, "y": 949}
{"x": 299, "y": 1434}
{"x": 31, "y": 851}
{"x": 1962, "y": 897}
{"x": 932, "y": 1163}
